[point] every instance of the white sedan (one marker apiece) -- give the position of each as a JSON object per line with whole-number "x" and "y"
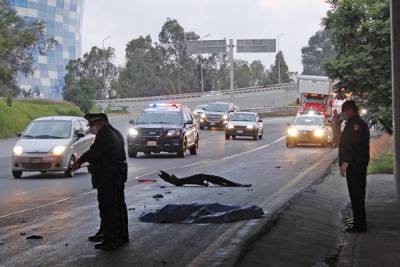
{"x": 309, "y": 129}
{"x": 245, "y": 124}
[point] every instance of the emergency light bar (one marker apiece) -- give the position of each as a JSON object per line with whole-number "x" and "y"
{"x": 164, "y": 105}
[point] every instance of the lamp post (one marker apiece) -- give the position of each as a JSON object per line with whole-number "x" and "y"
{"x": 108, "y": 37}
{"x": 201, "y": 62}
{"x": 279, "y": 60}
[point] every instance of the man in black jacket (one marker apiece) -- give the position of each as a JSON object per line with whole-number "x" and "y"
{"x": 353, "y": 161}
{"x": 107, "y": 164}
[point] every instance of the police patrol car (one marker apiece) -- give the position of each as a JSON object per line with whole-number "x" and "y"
{"x": 160, "y": 128}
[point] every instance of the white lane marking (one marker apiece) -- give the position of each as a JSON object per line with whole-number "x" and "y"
{"x": 204, "y": 162}
{"x": 224, "y": 237}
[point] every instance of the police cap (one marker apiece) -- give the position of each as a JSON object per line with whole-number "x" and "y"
{"x": 93, "y": 117}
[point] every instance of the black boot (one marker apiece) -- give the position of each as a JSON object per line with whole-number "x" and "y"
{"x": 109, "y": 245}
{"x": 98, "y": 237}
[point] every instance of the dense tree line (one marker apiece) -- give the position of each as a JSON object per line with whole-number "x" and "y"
{"x": 164, "y": 67}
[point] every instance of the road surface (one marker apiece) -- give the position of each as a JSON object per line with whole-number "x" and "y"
{"x": 64, "y": 210}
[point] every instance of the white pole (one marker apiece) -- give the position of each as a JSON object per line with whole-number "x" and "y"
{"x": 201, "y": 62}
{"x": 232, "y": 74}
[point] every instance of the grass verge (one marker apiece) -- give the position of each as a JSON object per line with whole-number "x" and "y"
{"x": 383, "y": 164}
{"x": 15, "y": 118}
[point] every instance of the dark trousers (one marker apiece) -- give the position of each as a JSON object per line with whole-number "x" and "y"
{"x": 356, "y": 176}
{"x": 113, "y": 212}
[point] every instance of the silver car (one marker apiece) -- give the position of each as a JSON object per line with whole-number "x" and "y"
{"x": 244, "y": 124}
{"x": 51, "y": 144}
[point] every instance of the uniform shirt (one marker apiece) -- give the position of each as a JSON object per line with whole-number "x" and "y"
{"x": 106, "y": 157}
{"x": 354, "y": 142}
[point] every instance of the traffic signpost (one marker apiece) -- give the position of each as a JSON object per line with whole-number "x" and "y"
{"x": 199, "y": 47}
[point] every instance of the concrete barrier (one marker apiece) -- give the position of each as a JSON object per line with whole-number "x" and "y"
{"x": 279, "y": 95}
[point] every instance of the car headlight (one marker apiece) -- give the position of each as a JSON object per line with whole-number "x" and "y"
{"x": 133, "y": 132}
{"x": 175, "y": 132}
{"x": 250, "y": 126}
{"x": 225, "y": 117}
{"x": 363, "y": 111}
{"x": 319, "y": 132}
{"x": 293, "y": 132}
{"x": 58, "y": 150}
{"x": 203, "y": 115}
{"x": 17, "y": 150}
{"x": 230, "y": 126}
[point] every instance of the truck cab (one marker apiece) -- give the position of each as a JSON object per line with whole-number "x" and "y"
{"x": 315, "y": 95}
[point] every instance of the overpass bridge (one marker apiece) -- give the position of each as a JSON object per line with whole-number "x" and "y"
{"x": 275, "y": 95}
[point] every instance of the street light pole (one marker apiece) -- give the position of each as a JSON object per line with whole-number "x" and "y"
{"x": 201, "y": 62}
{"x": 279, "y": 61}
{"x": 104, "y": 95}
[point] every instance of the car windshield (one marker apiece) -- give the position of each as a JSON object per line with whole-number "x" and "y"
{"x": 48, "y": 129}
{"x": 318, "y": 121}
{"x": 203, "y": 107}
{"x": 160, "y": 117}
{"x": 244, "y": 117}
{"x": 316, "y": 100}
{"x": 218, "y": 108}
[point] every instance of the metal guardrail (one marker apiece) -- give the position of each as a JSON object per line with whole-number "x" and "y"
{"x": 285, "y": 86}
{"x": 271, "y": 109}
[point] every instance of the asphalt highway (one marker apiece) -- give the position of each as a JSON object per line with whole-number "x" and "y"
{"x": 64, "y": 210}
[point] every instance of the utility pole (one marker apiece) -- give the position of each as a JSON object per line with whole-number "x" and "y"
{"x": 232, "y": 74}
{"x": 201, "y": 62}
{"x": 103, "y": 93}
{"x": 395, "y": 16}
{"x": 279, "y": 61}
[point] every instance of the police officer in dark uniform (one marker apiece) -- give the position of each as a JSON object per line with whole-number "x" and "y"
{"x": 353, "y": 161}
{"x": 107, "y": 164}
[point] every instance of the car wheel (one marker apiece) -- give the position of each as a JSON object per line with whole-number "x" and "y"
{"x": 17, "y": 174}
{"x": 195, "y": 147}
{"x": 132, "y": 154}
{"x": 69, "y": 172}
{"x": 201, "y": 127}
{"x": 182, "y": 150}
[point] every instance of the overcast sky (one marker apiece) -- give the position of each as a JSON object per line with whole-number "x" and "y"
{"x": 124, "y": 20}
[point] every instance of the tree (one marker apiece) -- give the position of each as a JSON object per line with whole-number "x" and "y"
{"x": 360, "y": 33}
{"x": 97, "y": 64}
{"x": 20, "y": 40}
{"x": 259, "y": 75}
{"x": 243, "y": 74}
{"x": 284, "y": 73}
{"x": 176, "y": 65}
{"x": 317, "y": 53}
{"x": 90, "y": 77}
{"x": 82, "y": 92}
{"x": 141, "y": 75}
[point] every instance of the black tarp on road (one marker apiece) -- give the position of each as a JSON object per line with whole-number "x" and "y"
{"x": 202, "y": 213}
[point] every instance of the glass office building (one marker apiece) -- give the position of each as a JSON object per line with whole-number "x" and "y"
{"x": 63, "y": 19}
